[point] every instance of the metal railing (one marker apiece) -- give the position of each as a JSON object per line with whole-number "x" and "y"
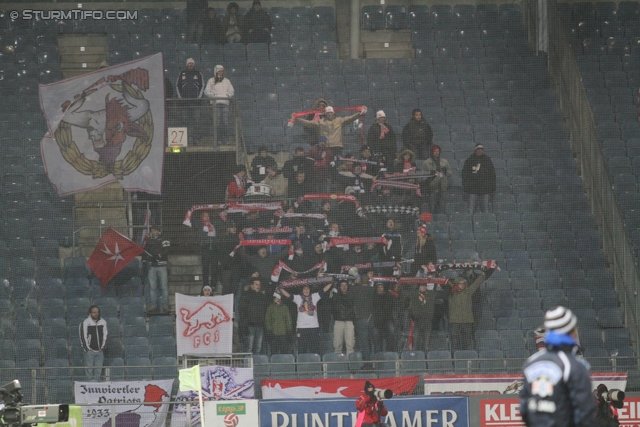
{"x": 55, "y": 384}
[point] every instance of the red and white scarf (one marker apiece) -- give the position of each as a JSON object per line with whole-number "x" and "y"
{"x": 314, "y": 283}
{"x": 194, "y": 208}
{"x": 281, "y": 265}
{"x": 147, "y": 222}
{"x": 383, "y": 131}
{"x": 270, "y": 230}
{"x": 208, "y": 227}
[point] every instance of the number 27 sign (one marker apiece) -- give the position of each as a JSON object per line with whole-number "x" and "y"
{"x": 177, "y": 137}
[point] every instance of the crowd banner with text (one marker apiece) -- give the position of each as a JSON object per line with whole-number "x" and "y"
{"x": 204, "y": 325}
{"x": 503, "y": 383}
{"x": 218, "y": 383}
{"x": 239, "y": 413}
{"x": 333, "y": 387}
{"x": 404, "y": 411}
{"x": 142, "y": 397}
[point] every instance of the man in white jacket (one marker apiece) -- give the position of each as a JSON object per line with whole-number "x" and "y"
{"x": 220, "y": 88}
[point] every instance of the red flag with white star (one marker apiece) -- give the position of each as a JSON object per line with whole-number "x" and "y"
{"x": 113, "y": 252}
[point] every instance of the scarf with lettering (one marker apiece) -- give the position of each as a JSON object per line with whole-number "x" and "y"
{"x": 487, "y": 264}
{"x": 237, "y": 207}
{"x": 315, "y": 283}
{"x": 270, "y": 230}
{"x": 330, "y": 196}
{"x": 281, "y": 265}
{"x": 263, "y": 242}
{"x": 337, "y": 241}
{"x": 408, "y": 175}
{"x": 378, "y": 183}
{"x": 194, "y": 208}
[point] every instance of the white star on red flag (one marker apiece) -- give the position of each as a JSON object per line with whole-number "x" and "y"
{"x": 115, "y": 255}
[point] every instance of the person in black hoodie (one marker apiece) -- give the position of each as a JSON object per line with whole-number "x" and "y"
{"x": 155, "y": 256}
{"x": 383, "y": 327}
{"x": 417, "y": 135}
{"x": 212, "y": 28}
{"x": 478, "y": 179}
{"x": 382, "y": 139}
{"x": 253, "y": 308}
{"x": 298, "y": 162}
{"x": 257, "y": 25}
{"x": 231, "y": 268}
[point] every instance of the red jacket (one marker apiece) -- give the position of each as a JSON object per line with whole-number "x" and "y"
{"x": 321, "y": 164}
{"x": 373, "y": 409}
{"x": 236, "y": 190}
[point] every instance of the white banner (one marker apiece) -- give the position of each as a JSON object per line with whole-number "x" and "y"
{"x": 106, "y": 126}
{"x": 219, "y": 383}
{"x": 243, "y": 413}
{"x": 136, "y": 393}
{"x": 204, "y": 325}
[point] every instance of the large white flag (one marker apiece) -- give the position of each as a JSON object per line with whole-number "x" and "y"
{"x": 106, "y": 126}
{"x": 204, "y": 325}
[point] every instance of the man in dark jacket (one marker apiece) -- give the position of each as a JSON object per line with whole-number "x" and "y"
{"x": 206, "y": 235}
{"x": 417, "y": 135}
{"x": 383, "y": 326}
{"x": 253, "y": 308}
{"x": 260, "y": 163}
{"x": 363, "y": 296}
{"x": 382, "y": 139}
{"x": 343, "y": 310}
{"x": 298, "y": 162}
{"x": 196, "y": 12}
{"x": 156, "y": 259}
{"x": 478, "y": 179}
{"x": 231, "y": 270}
{"x": 557, "y": 387}
{"x": 190, "y": 83}
{"x": 257, "y": 25}
{"x": 421, "y": 309}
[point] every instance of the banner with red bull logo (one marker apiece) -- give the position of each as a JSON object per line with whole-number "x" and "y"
{"x": 219, "y": 383}
{"x": 204, "y": 325}
{"x": 106, "y": 126}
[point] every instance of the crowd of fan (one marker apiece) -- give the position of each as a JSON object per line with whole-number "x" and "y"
{"x": 333, "y": 258}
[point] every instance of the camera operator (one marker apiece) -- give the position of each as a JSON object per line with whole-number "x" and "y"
{"x": 370, "y": 409}
{"x": 607, "y": 404}
{"x": 556, "y": 388}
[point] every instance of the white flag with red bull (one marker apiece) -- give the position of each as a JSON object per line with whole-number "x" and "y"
{"x": 204, "y": 325}
{"x": 106, "y": 126}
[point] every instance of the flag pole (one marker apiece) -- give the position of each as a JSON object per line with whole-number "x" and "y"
{"x": 201, "y": 406}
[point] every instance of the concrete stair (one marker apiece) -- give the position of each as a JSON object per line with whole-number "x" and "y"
{"x": 185, "y": 275}
{"x": 386, "y": 44}
{"x": 81, "y": 53}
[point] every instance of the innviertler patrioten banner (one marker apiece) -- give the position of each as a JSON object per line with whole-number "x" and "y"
{"x": 143, "y": 399}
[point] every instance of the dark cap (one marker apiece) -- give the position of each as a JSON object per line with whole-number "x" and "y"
{"x": 365, "y": 147}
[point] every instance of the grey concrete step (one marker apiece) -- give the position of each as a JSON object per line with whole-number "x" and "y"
{"x": 386, "y": 36}
{"x": 79, "y": 40}
{"x": 388, "y": 53}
